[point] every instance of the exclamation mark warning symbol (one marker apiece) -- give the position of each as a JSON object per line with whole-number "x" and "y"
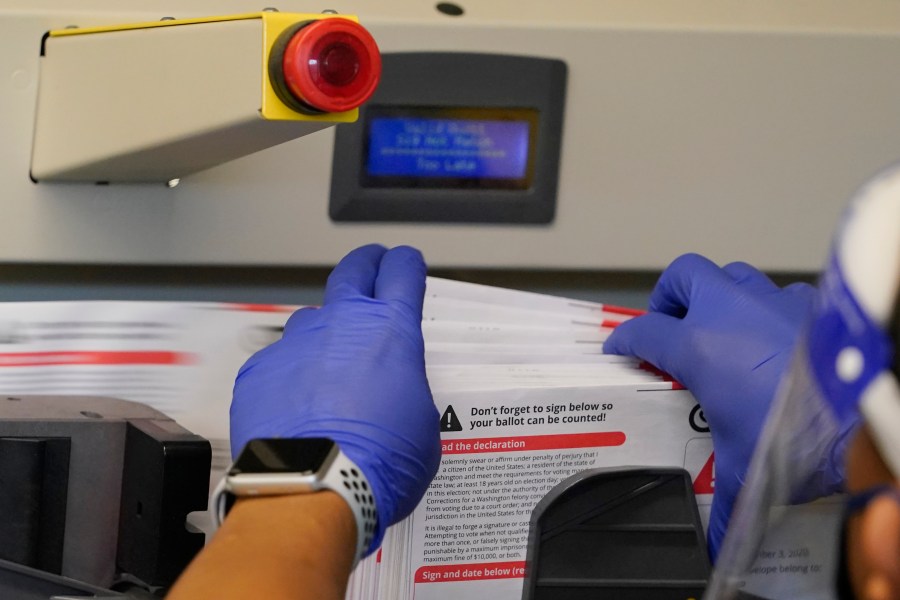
{"x": 706, "y": 479}
{"x": 449, "y": 421}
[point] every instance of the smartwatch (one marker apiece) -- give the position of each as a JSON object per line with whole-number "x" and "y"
{"x": 280, "y": 466}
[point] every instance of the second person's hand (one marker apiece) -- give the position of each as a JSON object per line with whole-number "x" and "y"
{"x": 727, "y": 334}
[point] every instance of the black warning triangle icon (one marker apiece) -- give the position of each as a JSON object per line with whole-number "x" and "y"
{"x": 449, "y": 421}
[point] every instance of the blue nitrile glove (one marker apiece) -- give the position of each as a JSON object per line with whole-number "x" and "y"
{"x": 727, "y": 334}
{"x": 353, "y": 371}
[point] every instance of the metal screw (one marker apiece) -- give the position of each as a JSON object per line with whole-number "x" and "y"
{"x": 71, "y": 27}
{"x": 329, "y": 11}
{"x": 270, "y": 9}
{"x": 173, "y": 183}
{"x": 450, "y": 9}
{"x": 167, "y": 19}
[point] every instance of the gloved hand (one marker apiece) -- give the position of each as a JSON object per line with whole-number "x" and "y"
{"x": 727, "y": 335}
{"x": 353, "y": 371}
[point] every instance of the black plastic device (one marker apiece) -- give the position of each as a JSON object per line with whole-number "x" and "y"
{"x": 617, "y": 533}
{"x": 18, "y": 582}
{"x": 98, "y": 490}
{"x": 454, "y": 137}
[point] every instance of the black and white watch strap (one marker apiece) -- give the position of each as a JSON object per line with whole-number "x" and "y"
{"x": 345, "y": 478}
{"x": 342, "y": 477}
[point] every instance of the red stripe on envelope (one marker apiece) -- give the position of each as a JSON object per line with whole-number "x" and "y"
{"x": 676, "y": 385}
{"x": 623, "y": 310}
{"x": 529, "y": 443}
{"x": 39, "y": 359}
{"x": 265, "y": 308}
{"x": 470, "y": 572}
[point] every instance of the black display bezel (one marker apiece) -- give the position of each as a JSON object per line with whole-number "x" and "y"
{"x": 305, "y": 456}
{"x": 451, "y": 81}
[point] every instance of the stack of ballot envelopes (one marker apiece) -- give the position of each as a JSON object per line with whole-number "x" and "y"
{"x": 525, "y": 395}
{"x": 526, "y": 398}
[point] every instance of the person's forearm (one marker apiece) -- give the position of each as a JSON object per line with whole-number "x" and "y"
{"x": 298, "y": 546}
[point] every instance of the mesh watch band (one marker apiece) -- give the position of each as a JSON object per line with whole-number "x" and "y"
{"x": 342, "y": 477}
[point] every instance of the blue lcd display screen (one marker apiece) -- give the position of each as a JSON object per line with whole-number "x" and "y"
{"x": 446, "y": 148}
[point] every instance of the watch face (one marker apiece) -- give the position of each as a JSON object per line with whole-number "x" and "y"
{"x": 283, "y": 455}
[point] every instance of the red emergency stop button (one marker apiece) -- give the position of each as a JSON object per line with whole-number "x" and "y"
{"x": 326, "y": 65}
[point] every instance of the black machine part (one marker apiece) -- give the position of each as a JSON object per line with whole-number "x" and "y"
{"x": 435, "y": 85}
{"x": 618, "y": 533}
{"x": 98, "y": 489}
{"x": 18, "y": 582}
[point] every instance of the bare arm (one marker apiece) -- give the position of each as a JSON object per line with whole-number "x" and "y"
{"x": 344, "y": 372}
{"x": 298, "y": 546}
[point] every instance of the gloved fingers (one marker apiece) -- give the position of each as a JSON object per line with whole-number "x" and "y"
{"x": 678, "y": 283}
{"x": 355, "y": 274}
{"x": 299, "y": 318}
{"x": 654, "y": 337}
{"x": 719, "y": 516}
{"x": 800, "y": 288}
{"x": 746, "y": 275}
{"x": 401, "y": 279}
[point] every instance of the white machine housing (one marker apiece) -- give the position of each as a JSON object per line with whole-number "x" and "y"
{"x": 729, "y": 128}
{"x": 153, "y": 104}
